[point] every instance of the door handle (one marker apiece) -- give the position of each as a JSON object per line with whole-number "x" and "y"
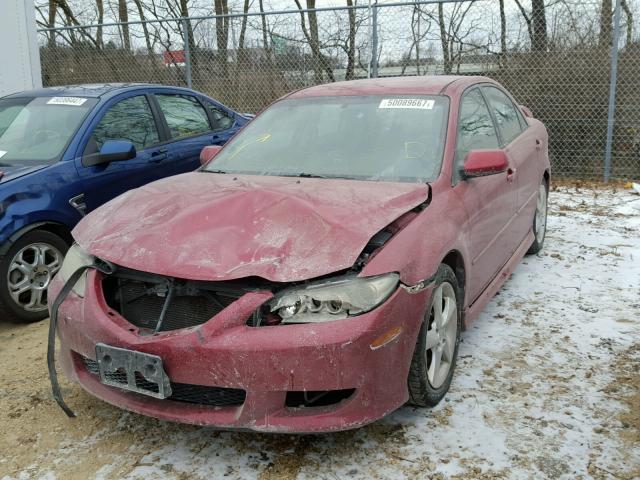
{"x": 511, "y": 174}
{"x": 159, "y": 155}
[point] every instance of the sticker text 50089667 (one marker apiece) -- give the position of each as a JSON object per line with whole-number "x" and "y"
{"x": 70, "y": 101}
{"x": 419, "y": 103}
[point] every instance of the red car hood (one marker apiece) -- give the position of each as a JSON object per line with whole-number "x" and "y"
{"x": 205, "y": 226}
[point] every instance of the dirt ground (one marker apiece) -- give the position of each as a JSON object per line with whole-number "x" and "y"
{"x": 547, "y": 386}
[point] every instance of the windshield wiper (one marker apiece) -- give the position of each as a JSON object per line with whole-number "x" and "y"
{"x": 214, "y": 171}
{"x": 303, "y": 175}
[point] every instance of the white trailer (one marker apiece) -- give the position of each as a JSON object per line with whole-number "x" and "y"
{"x": 20, "y": 69}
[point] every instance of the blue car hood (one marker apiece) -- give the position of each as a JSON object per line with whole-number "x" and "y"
{"x": 9, "y": 172}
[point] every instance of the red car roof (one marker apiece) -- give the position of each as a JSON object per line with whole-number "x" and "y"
{"x": 423, "y": 85}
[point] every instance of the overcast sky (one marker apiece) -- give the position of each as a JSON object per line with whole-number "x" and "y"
{"x": 394, "y": 23}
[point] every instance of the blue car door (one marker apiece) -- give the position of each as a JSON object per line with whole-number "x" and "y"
{"x": 131, "y": 117}
{"x": 192, "y": 123}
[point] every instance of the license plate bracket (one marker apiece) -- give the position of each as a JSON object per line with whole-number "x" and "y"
{"x": 132, "y": 371}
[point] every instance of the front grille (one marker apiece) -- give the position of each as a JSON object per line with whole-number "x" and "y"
{"x": 181, "y": 392}
{"x": 140, "y": 299}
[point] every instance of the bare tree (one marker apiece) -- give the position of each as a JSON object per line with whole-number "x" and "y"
{"x": 145, "y": 28}
{"x": 503, "y": 31}
{"x": 536, "y": 24}
{"x": 455, "y": 31}
{"x": 222, "y": 34}
{"x": 351, "y": 49}
{"x": 100, "y": 9}
{"x": 266, "y": 44}
{"x": 418, "y": 32}
{"x": 311, "y": 34}
{"x": 539, "y": 21}
{"x": 123, "y": 16}
{"x": 605, "y": 37}
{"x": 70, "y": 19}
{"x": 167, "y": 33}
{"x": 444, "y": 40}
{"x": 243, "y": 26}
{"x": 53, "y": 6}
{"x": 527, "y": 19}
{"x": 629, "y": 14}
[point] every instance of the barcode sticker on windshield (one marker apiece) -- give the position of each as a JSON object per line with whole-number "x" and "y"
{"x": 71, "y": 101}
{"x": 419, "y": 103}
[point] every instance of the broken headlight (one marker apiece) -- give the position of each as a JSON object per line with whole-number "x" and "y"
{"x": 73, "y": 260}
{"x": 334, "y": 299}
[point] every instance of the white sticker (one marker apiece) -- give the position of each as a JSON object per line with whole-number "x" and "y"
{"x": 2, "y": 153}
{"x": 71, "y": 101}
{"x": 419, "y": 103}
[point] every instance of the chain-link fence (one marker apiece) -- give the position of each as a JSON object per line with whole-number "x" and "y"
{"x": 555, "y": 57}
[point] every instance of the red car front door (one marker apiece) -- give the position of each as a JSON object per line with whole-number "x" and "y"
{"x": 489, "y": 202}
{"x": 522, "y": 144}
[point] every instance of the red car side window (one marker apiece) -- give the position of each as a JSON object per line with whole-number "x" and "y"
{"x": 507, "y": 115}
{"x": 475, "y": 128}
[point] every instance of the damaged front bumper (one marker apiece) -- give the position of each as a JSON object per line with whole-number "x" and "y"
{"x": 225, "y": 373}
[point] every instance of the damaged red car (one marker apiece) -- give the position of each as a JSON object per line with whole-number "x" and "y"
{"x": 317, "y": 272}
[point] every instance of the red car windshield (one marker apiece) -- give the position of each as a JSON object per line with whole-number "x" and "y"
{"x": 37, "y": 130}
{"x": 391, "y": 138}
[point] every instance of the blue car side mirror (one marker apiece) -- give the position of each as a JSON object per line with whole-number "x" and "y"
{"x": 111, "y": 151}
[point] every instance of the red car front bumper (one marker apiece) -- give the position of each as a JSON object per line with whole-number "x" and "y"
{"x": 266, "y": 362}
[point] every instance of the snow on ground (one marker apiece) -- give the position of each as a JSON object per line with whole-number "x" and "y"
{"x": 547, "y": 386}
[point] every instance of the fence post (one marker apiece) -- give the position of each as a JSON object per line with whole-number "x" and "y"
{"x": 374, "y": 40}
{"x": 612, "y": 93}
{"x": 187, "y": 53}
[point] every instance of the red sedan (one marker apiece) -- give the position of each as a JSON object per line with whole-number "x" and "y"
{"x": 317, "y": 273}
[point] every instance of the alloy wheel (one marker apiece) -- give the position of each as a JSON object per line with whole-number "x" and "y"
{"x": 541, "y": 213}
{"x": 30, "y": 274}
{"x": 442, "y": 334}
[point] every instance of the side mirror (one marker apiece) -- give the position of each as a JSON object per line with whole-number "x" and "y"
{"x": 111, "y": 151}
{"x": 208, "y": 152}
{"x": 480, "y": 163}
{"x": 526, "y": 111}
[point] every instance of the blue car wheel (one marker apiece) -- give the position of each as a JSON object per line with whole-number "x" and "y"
{"x": 27, "y": 268}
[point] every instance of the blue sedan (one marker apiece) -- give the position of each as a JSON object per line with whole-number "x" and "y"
{"x": 64, "y": 151}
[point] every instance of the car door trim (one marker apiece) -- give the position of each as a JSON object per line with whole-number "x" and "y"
{"x": 158, "y": 115}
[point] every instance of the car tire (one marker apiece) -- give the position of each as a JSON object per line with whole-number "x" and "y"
{"x": 29, "y": 264}
{"x": 439, "y": 335}
{"x": 540, "y": 219}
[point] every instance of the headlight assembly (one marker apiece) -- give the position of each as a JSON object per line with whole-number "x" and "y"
{"x": 333, "y": 299}
{"x": 76, "y": 258}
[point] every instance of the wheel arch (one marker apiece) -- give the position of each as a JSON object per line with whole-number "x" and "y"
{"x": 56, "y": 228}
{"x": 455, "y": 260}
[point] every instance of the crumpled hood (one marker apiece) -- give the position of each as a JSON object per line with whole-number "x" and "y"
{"x": 205, "y": 226}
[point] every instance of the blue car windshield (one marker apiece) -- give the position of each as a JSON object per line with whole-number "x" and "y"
{"x": 385, "y": 138}
{"x": 36, "y": 130}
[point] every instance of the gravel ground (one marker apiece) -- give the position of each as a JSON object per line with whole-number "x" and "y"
{"x": 547, "y": 386}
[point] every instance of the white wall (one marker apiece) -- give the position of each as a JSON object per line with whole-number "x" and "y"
{"x": 20, "y": 64}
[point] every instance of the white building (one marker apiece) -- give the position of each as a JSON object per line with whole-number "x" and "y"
{"x": 20, "y": 68}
